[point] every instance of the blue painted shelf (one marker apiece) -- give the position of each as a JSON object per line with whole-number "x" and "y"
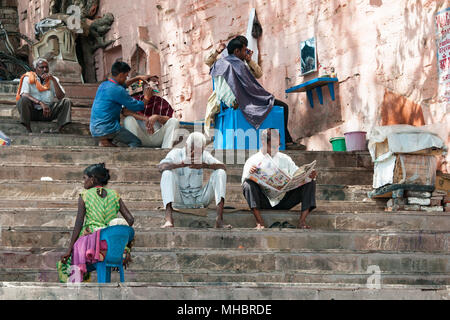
{"x": 316, "y": 83}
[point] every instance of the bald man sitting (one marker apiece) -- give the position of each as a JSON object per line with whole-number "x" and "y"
{"x": 182, "y": 179}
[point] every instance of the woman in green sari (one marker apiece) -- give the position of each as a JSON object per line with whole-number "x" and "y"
{"x": 97, "y": 207}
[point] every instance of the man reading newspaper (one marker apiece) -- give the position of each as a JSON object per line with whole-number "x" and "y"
{"x": 271, "y": 180}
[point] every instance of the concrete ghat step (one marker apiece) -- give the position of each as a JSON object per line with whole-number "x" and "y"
{"x": 52, "y": 140}
{"x": 219, "y": 291}
{"x": 21, "y": 204}
{"x": 318, "y": 220}
{"x": 12, "y": 127}
{"x": 247, "y": 261}
{"x": 342, "y": 175}
{"x": 57, "y": 190}
{"x": 34, "y": 155}
{"x": 195, "y": 276}
{"x": 268, "y": 239}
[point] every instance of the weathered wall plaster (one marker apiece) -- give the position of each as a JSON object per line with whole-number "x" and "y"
{"x": 376, "y": 46}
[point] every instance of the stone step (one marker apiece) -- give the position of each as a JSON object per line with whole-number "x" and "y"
{"x": 13, "y": 127}
{"x": 217, "y": 291}
{"x": 21, "y": 205}
{"x": 348, "y": 176}
{"x": 85, "y": 90}
{"x": 9, "y": 101}
{"x": 267, "y": 239}
{"x": 59, "y": 190}
{"x": 52, "y": 140}
{"x": 10, "y": 113}
{"x": 76, "y": 155}
{"x": 247, "y": 262}
{"x": 196, "y": 276}
{"x": 322, "y": 219}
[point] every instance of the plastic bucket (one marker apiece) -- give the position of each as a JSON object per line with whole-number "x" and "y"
{"x": 355, "y": 140}
{"x": 338, "y": 144}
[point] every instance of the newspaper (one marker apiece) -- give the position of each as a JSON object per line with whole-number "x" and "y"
{"x": 275, "y": 182}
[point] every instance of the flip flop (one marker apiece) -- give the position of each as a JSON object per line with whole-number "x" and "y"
{"x": 276, "y": 224}
{"x": 286, "y": 224}
{"x": 304, "y": 226}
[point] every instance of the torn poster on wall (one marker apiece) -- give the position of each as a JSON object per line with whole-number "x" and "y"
{"x": 443, "y": 54}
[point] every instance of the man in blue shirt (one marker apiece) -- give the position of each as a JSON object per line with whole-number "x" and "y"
{"x": 111, "y": 96}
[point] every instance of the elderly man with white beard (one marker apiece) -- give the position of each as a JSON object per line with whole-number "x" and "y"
{"x": 182, "y": 179}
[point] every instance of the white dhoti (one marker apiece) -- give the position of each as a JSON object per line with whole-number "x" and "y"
{"x": 177, "y": 190}
{"x": 163, "y": 137}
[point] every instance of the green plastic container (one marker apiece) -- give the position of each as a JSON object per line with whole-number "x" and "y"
{"x": 338, "y": 144}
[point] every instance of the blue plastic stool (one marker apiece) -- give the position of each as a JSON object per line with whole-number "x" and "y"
{"x": 117, "y": 237}
{"x": 232, "y": 129}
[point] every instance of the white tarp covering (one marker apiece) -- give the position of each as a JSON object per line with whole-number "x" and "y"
{"x": 383, "y": 172}
{"x": 404, "y": 138}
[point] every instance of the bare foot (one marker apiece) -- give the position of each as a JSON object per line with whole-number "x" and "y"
{"x": 27, "y": 127}
{"x": 259, "y": 227}
{"x": 106, "y": 143}
{"x": 166, "y": 225}
{"x": 302, "y": 225}
{"x": 220, "y": 225}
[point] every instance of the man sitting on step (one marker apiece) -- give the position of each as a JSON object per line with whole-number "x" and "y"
{"x": 111, "y": 96}
{"x": 154, "y": 126}
{"x": 40, "y": 97}
{"x": 257, "y": 200}
{"x": 182, "y": 179}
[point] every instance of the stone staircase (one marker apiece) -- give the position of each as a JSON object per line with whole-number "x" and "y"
{"x": 350, "y": 231}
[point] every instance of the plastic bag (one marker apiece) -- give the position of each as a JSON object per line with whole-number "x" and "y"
{"x": 4, "y": 139}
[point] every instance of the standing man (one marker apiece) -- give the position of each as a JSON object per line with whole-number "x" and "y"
{"x": 257, "y": 200}
{"x": 182, "y": 179}
{"x": 40, "y": 97}
{"x": 155, "y": 126}
{"x": 111, "y": 96}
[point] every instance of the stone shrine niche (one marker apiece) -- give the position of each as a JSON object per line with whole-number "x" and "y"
{"x": 109, "y": 57}
{"x": 139, "y": 62}
{"x": 59, "y": 48}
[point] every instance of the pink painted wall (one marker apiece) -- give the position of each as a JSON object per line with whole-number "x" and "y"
{"x": 374, "y": 45}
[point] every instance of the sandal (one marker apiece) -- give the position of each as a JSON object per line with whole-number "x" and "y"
{"x": 286, "y": 224}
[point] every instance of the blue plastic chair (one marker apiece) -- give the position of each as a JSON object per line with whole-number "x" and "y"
{"x": 234, "y": 120}
{"x": 117, "y": 237}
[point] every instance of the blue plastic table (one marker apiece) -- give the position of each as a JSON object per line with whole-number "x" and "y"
{"x": 317, "y": 83}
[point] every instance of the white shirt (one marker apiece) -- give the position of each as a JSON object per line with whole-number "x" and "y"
{"x": 190, "y": 180}
{"x": 283, "y": 161}
{"x": 48, "y": 96}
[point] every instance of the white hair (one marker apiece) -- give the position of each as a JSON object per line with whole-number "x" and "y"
{"x": 38, "y": 61}
{"x": 197, "y": 138}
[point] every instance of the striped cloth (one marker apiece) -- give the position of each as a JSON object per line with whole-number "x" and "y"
{"x": 99, "y": 211}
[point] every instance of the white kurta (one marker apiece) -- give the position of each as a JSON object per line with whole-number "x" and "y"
{"x": 48, "y": 96}
{"x": 183, "y": 187}
{"x": 283, "y": 161}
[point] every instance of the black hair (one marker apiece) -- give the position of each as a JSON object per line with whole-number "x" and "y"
{"x": 243, "y": 40}
{"x": 234, "y": 44}
{"x": 99, "y": 173}
{"x": 120, "y": 67}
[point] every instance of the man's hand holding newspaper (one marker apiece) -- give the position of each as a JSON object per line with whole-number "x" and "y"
{"x": 275, "y": 182}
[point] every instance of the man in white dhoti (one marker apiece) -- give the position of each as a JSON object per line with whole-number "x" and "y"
{"x": 182, "y": 179}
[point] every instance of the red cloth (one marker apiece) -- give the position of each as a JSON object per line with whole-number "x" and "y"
{"x": 156, "y": 105}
